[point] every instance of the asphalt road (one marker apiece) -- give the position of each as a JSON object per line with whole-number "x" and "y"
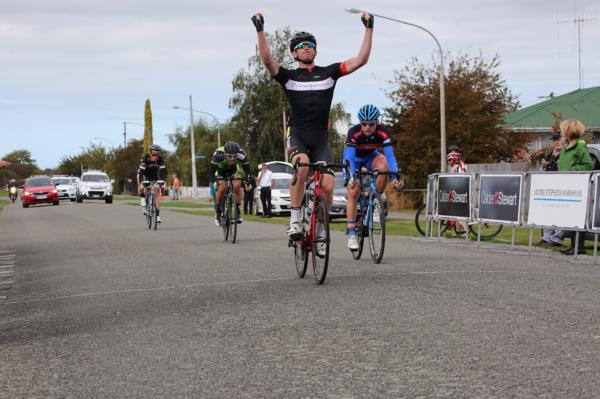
{"x": 102, "y": 307}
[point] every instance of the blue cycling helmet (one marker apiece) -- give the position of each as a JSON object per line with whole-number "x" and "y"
{"x": 368, "y": 113}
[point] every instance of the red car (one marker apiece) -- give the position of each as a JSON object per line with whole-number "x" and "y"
{"x": 39, "y": 190}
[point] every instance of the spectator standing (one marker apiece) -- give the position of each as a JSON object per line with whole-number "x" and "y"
{"x": 176, "y": 188}
{"x": 249, "y": 195}
{"x": 456, "y": 164}
{"x": 550, "y": 164}
{"x": 265, "y": 182}
{"x": 574, "y": 156}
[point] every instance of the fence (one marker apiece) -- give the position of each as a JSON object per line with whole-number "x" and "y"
{"x": 202, "y": 193}
{"x": 558, "y": 200}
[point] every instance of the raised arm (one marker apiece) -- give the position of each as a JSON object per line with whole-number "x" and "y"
{"x": 263, "y": 47}
{"x": 352, "y": 64}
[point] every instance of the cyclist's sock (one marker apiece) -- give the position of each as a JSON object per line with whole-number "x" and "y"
{"x": 295, "y": 216}
{"x": 350, "y": 225}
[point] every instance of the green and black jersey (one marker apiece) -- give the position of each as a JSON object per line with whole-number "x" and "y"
{"x": 220, "y": 166}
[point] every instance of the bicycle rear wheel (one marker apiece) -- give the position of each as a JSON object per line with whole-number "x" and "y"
{"x": 359, "y": 235}
{"x": 488, "y": 231}
{"x": 376, "y": 228}
{"x": 320, "y": 247}
{"x": 234, "y": 225}
{"x": 300, "y": 258}
{"x": 421, "y": 220}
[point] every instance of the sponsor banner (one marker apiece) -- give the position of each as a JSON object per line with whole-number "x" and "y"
{"x": 500, "y": 198}
{"x": 596, "y": 210}
{"x": 430, "y": 196}
{"x": 558, "y": 199}
{"x": 454, "y": 196}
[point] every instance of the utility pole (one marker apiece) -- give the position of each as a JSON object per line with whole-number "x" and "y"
{"x": 578, "y": 21}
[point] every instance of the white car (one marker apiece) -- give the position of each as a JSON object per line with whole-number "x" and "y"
{"x": 280, "y": 195}
{"x": 95, "y": 184}
{"x": 65, "y": 187}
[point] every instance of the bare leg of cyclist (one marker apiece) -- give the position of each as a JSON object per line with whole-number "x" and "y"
{"x": 353, "y": 192}
{"x": 238, "y": 195}
{"x": 221, "y": 186}
{"x": 296, "y": 194}
{"x": 380, "y": 163}
{"x": 158, "y": 195}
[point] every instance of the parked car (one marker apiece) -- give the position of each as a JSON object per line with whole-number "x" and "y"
{"x": 95, "y": 184}
{"x": 279, "y": 167}
{"x": 66, "y": 188}
{"x": 280, "y": 195}
{"x": 39, "y": 190}
{"x": 340, "y": 197}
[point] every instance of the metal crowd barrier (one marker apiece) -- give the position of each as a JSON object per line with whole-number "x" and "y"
{"x": 557, "y": 200}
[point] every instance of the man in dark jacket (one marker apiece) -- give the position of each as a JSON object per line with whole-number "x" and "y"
{"x": 249, "y": 195}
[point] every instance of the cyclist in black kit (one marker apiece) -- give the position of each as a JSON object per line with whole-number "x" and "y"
{"x": 152, "y": 168}
{"x": 309, "y": 90}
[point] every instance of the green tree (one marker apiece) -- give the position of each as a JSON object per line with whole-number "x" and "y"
{"x": 148, "y": 139}
{"x": 21, "y": 166}
{"x": 123, "y": 164}
{"x": 205, "y": 141}
{"x": 477, "y": 99}
{"x": 96, "y": 156}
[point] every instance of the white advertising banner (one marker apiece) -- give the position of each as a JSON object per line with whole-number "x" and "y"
{"x": 558, "y": 199}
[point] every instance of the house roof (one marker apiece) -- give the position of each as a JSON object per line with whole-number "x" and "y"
{"x": 582, "y": 104}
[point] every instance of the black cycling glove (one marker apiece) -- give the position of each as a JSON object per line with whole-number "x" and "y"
{"x": 368, "y": 23}
{"x": 259, "y": 22}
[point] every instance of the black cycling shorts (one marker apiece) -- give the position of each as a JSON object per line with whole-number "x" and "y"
{"x": 313, "y": 143}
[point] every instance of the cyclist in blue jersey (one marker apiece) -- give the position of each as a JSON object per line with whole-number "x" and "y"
{"x": 309, "y": 90}
{"x": 362, "y": 143}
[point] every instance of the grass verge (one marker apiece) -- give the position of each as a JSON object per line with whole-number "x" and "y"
{"x": 3, "y": 203}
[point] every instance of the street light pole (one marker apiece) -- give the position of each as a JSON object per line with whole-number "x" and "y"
{"x": 193, "y": 150}
{"x": 125, "y": 131}
{"x": 442, "y": 83}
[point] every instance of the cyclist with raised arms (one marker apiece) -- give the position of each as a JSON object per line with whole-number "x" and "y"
{"x": 362, "y": 143}
{"x": 309, "y": 90}
{"x": 152, "y": 168}
{"x": 226, "y": 162}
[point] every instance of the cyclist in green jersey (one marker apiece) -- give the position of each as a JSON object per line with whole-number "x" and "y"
{"x": 226, "y": 162}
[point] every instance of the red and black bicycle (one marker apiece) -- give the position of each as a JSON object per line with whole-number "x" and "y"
{"x": 315, "y": 223}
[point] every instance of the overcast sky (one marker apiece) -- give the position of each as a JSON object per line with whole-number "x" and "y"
{"x": 72, "y": 70}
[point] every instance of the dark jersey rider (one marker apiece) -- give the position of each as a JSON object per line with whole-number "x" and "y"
{"x": 154, "y": 169}
{"x": 309, "y": 90}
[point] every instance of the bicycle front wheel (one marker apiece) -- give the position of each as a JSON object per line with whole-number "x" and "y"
{"x": 421, "y": 220}
{"x": 234, "y": 225}
{"x": 488, "y": 231}
{"x": 320, "y": 245}
{"x": 226, "y": 218}
{"x": 149, "y": 212}
{"x": 376, "y": 228}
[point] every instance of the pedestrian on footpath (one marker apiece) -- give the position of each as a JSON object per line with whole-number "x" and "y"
{"x": 176, "y": 187}
{"x": 249, "y": 195}
{"x": 265, "y": 182}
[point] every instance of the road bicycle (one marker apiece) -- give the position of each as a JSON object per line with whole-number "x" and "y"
{"x": 230, "y": 213}
{"x": 488, "y": 231}
{"x": 151, "y": 209}
{"x": 370, "y": 215}
{"x": 315, "y": 222}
